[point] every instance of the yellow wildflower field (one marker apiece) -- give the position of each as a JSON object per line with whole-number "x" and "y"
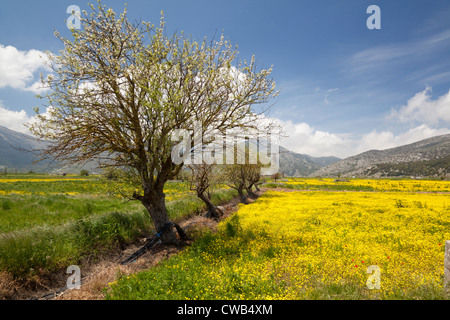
{"x": 406, "y": 185}
{"x": 331, "y": 238}
{"x": 314, "y": 244}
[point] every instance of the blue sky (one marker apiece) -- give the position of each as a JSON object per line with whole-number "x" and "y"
{"x": 344, "y": 88}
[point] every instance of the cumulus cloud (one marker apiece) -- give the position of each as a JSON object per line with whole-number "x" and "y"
{"x": 386, "y": 139}
{"x": 14, "y": 120}
{"x": 422, "y": 108}
{"x": 17, "y": 120}
{"x": 303, "y": 138}
{"x": 18, "y": 68}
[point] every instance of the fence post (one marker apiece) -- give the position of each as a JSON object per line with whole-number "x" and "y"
{"x": 447, "y": 264}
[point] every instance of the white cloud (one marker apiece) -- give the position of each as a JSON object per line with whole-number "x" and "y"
{"x": 401, "y": 61}
{"x": 18, "y": 68}
{"x": 302, "y": 138}
{"x": 371, "y": 58}
{"x": 14, "y": 120}
{"x": 385, "y": 139}
{"x": 421, "y": 108}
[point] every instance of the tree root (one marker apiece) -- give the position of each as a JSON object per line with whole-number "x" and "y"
{"x": 153, "y": 240}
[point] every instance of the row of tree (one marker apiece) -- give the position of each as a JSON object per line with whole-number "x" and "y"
{"x": 204, "y": 178}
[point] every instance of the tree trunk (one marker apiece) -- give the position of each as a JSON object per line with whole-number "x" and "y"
{"x": 212, "y": 210}
{"x": 250, "y": 192}
{"x": 241, "y": 194}
{"x": 155, "y": 203}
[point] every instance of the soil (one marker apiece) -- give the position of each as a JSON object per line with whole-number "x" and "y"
{"x": 95, "y": 275}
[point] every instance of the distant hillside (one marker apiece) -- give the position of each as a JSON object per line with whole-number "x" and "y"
{"x": 17, "y": 152}
{"x": 425, "y": 158}
{"x": 295, "y": 164}
{"x": 428, "y": 168}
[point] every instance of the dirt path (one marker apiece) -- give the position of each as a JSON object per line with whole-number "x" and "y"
{"x": 96, "y": 276}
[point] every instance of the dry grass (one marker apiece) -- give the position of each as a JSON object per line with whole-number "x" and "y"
{"x": 8, "y": 286}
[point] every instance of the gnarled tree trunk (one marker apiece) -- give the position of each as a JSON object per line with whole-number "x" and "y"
{"x": 240, "y": 190}
{"x": 212, "y": 210}
{"x": 250, "y": 192}
{"x": 155, "y": 203}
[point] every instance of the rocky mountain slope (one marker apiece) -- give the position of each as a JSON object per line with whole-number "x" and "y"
{"x": 429, "y": 157}
{"x": 295, "y": 164}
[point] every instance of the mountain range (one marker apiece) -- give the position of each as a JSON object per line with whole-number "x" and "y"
{"x": 425, "y": 158}
{"x": 429, "y": 157}
{"x": 18, "y": 153}
{"x": 300, "y": 165}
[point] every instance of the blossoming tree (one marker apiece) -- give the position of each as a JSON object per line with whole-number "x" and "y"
{"x": 118, "y": 90}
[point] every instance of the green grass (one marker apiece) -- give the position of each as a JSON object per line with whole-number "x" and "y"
{"x": 22, "y": 212}
{"x": 44, "y": 228}
{"x": 45, "y": 249}
{"x": 191, "y": 205}
{"x": 84, "y": 186}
